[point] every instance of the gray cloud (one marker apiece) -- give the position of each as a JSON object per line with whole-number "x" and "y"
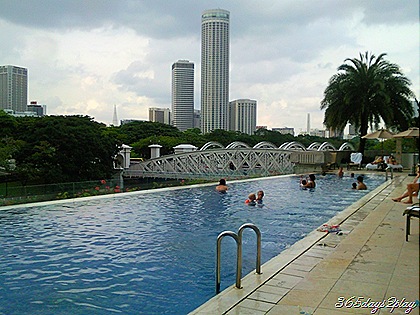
{"x": 282, "y": 52}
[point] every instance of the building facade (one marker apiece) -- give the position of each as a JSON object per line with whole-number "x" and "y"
{"x": 39, "y": 109}
{"x": 162, "y": 115}
{"x": 243, "y": 116}
{"x": 285, "y": 130}
{"x": 13, "y": 88}
{"x": 183, "y": 95}
{"x": 214, "y": 70}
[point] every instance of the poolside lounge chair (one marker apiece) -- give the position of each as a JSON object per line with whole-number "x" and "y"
{"x": 412, "y": 211}
{"x": 375, "y": 165}
{"x": 355, "y": 160}
{"x": 398, "y": 167}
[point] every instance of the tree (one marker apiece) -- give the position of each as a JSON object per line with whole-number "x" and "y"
{"x": 365, "y": 92}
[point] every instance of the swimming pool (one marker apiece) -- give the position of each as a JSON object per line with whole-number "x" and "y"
{"x": 151, "y": 253}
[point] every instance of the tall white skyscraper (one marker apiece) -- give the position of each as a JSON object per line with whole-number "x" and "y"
{"x": 243, "y": 116}
{"x": 214, "y": 70}
{"x": 13, "y": 88}
{"x": 183, "y": 94}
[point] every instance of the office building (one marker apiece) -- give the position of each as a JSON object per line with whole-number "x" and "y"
{"x": 214, "y": 70}
{"x": 162, "y": 115}
{"x": 243, "y": 116}
{"x": 285, "y": 130}
{"x": 183, "y": 94}
{"x": 197, "y": 118}
{"x": 13, "y": 88}
{"x": 38, "y": 109}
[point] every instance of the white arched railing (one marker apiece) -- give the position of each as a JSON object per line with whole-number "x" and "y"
{"x": 264, "y": 144}
{"x": 211, "y": 144}
{"x": 237, "y": 144}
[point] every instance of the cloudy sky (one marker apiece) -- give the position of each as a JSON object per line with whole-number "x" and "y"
{"x": 84, "y": 56}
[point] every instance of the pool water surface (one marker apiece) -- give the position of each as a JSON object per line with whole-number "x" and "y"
{"x": 152, "y": 253}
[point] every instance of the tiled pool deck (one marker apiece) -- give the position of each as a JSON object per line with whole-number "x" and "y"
{"x": 371, "y": 261}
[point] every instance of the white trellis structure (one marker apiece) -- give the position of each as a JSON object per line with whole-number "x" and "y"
{"x": 213, "y": 161}
{"x": 237, "y": 163}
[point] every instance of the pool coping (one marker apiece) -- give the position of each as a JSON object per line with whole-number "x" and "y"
{"x": 137, "y": 192}
{"x": 231, "y": 296}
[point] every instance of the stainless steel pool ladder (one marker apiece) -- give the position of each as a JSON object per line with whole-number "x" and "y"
{"x": 238, "y": 239}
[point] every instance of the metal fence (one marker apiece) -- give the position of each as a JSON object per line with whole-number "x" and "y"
{"x": 13, "y": 192}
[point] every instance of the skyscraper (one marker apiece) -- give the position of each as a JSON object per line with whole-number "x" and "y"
{"x": 243, "y": 116}
{"x": 214, "y": 70}
{"x": 183, "y": 94}
{"x": 13, "y": 88}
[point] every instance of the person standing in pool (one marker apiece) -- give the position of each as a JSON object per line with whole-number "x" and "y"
{"x": 222, "y": 187}
{"x": 360, "y": 184}
{"x": 311, "y": 182}
{"x": 260, "y": 196}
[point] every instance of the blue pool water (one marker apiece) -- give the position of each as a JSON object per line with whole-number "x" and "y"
{"x": 151, "y": 253}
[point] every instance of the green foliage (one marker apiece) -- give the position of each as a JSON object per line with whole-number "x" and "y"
{"x": 365, "y": 92}
{"x": 63, "y": 148}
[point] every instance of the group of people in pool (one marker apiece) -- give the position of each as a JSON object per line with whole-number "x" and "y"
{"x": 358, "y": 185}
{"x": 253, "y": 199}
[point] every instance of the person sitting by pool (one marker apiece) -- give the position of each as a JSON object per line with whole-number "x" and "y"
{"x": 392, "y": 160}
{"x": 251, "y": 201}
{"x": 222, "y": 187}
{"x": 360, "y": 184}
{"x": 260, "y": 196}
{"x": 340, "y": 172}
{"x": 412, "y": 190}
{"x": 354, "y": 186}
{"x": 378, "y": 160}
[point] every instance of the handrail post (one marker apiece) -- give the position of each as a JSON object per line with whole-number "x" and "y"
{"x": 258, "y": 232}
{"x": 391, "y": 170}
{"x": 238, "y": 258}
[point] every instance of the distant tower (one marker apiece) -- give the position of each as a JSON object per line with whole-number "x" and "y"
{"x": 214, "y": 70}
{"x": 114, "y": 117}
{"x": 308, "y": 124}
{"x": 13, "y": 88}
{"x": 183, "y": 94}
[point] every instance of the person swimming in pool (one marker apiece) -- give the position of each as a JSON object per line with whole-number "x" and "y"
{"x": 251, "y": 201}
{"x": 222, "y": 187}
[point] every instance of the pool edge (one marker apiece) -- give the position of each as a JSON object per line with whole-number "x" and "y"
{"x": 231, "y": 296}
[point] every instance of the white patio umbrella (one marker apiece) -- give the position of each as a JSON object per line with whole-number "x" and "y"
{"x": 380, "y": 134}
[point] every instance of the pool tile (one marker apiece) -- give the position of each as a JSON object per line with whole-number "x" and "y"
{"x": 284, "y": 281}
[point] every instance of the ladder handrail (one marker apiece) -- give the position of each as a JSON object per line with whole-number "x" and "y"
{"x": 238, "y": 239}
{"x": 258, "y": 232}
{"x": 238, "y": 258}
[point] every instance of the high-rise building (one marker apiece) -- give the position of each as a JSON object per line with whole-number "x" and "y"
{"x": 214, "y": 70}
{"x": 162, "y": 115}
{"x": 197, "y": 118}
{"x": 13, "y": 88}
{"x": 243, "y": 116}
{"x": 183, "y": 94}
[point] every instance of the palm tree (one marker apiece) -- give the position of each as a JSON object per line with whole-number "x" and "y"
{"x": 365, "y": 92}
